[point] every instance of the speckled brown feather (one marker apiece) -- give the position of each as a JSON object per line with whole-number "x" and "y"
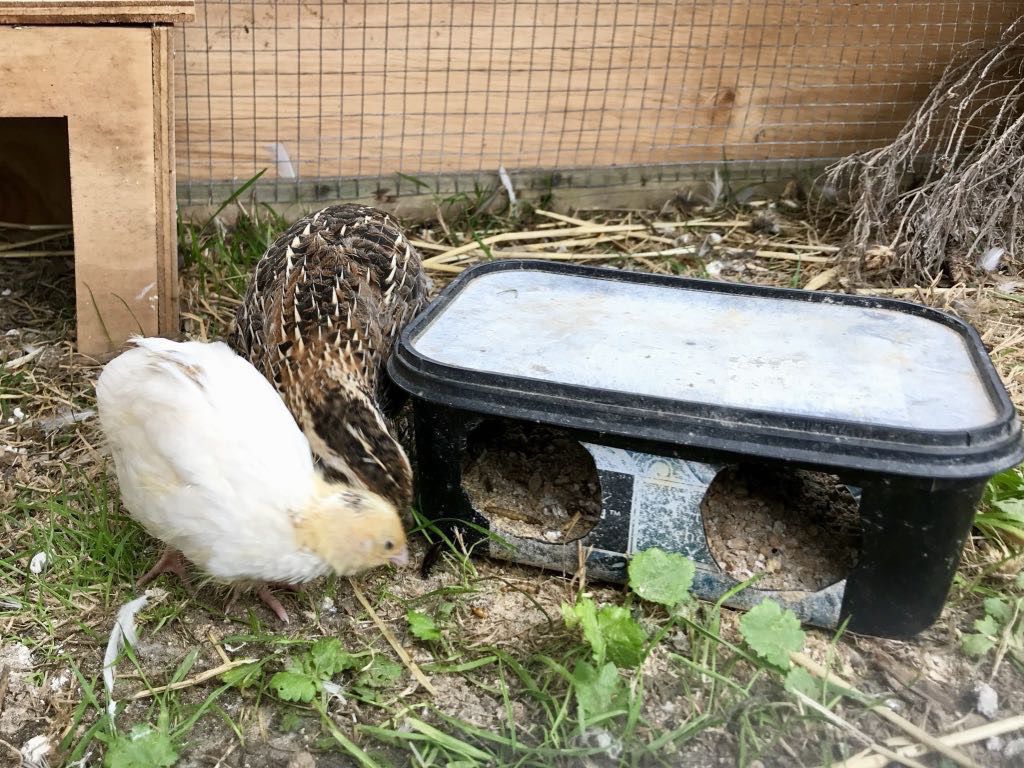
{"x": 320, "y": 317}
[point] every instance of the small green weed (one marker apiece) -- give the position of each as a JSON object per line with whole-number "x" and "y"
{"x": 422, "y": 626}
{"x": 661, "y": 577}
{"x": 772, "y": 633}
{"x": 1002, "y": 627}
{"x": 145, "y": 747}
{"x": 1001, "y": 518}
{"x": 307, "y": 672}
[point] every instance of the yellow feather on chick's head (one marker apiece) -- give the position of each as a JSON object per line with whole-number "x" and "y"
{"x": 352, "y": 529}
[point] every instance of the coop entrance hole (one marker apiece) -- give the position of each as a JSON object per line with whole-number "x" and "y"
{"x": 35, "y": 208}
{"x": 35, "y": 171}
{"x": 531, "y": 481}
{"x": 800, "y": 529}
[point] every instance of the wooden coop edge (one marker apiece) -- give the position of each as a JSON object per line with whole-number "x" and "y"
{"x": 168, "y": 289}
{"x": 621, "y": 187}
{"x": 29, "y": 12}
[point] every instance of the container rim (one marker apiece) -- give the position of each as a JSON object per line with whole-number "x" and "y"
{"x": 978, "y": 451}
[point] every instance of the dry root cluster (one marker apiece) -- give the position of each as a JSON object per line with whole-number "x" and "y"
{"x": 944, "y": 199}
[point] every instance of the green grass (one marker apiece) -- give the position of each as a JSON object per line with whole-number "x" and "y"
{"x": 221, "y": 257}
{"x": 564, "y": 723}
{"x": 1001, "y": 517}
{"x": 157, "y": 737}
{"x": 92, "y": 550}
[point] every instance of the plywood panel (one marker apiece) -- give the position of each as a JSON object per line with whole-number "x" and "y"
{"x": 355, "y": 89}
{"x": 95, "y": 11}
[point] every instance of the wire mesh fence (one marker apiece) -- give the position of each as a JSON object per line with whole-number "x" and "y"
{"x": 337, "y": 98}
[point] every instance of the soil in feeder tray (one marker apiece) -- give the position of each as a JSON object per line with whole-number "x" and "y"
{"x": 533, "y": 482}
{"x": 800, "y": 529}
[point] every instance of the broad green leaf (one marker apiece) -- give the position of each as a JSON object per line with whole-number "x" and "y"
{"x": 380, "y": 673}
{"x": 571, "y": 615}
{"x": 623, "y": 638}
{"x": 998, "y": 609}
{"x": 977, "y": 645}
{"x": 661, "y": 577}
{"x": 987, "y": 626}
{"x": 293, "y": 686}
{"x": 422, "y": 626}
{"x": 144, "y": 747}
{"x": 328, "y": 658}
{"x": 242, "y": 676}
{"x": 799, "y": 679}
{"x": 1012, "y": 508}
{"x": 611, "y": 632}
{"x": 586, "y": 612}
{"x": 596, "y": 691}
{"x": 1019, "y": 581}
{"x": 772, "y": 633}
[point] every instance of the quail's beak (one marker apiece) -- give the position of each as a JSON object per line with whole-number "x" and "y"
{"x": 400, "y": 558}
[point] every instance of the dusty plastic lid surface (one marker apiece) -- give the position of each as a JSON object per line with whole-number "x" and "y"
{"x": 685, "y": 354}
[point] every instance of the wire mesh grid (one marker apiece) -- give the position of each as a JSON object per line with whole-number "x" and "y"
{"x": 384, "y": 92}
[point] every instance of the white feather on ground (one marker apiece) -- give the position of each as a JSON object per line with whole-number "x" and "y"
{"x": 122, "y": 632}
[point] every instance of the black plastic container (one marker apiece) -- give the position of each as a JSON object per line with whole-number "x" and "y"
{"x": 667, "y": 380}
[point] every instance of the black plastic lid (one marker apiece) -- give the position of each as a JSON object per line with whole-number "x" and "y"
{"x": 834, "y": 380}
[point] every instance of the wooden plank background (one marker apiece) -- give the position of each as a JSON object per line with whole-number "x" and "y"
{"x": 327, "y": 89}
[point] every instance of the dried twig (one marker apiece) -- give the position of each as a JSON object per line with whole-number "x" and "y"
{"x": 393, "y": 641}
{"x": 5, "y": 676}
{"x": 202, "y": 677}
{"x": 918, "y": 734}
{"x": 782, "y": 255}
{"x": 959, "y": 739}
{"x": 31, "y": 227}
{"x": 34, "y": 254}
{"x": 217, "y": 647}
{"x": 1005, "y": 639}
{"x": 15, "y": 245}
{"x": 822, "y": 279}
{"x": 836, "y": 720}
{"x": 561, "y": 217}
{"x": 453, "y": 254}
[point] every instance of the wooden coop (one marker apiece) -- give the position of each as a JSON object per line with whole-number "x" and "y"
{"x": 87, "y": 143}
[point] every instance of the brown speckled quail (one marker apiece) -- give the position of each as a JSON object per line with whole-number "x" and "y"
{"x": 320, "y": 317}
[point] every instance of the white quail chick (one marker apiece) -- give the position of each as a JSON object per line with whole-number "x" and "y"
{"x": 210, "y": 462}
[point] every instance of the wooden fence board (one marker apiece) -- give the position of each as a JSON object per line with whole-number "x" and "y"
{"x": 350, "y": 89}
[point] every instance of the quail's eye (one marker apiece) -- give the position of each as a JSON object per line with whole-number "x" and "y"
{"x": 389, "y": 545}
